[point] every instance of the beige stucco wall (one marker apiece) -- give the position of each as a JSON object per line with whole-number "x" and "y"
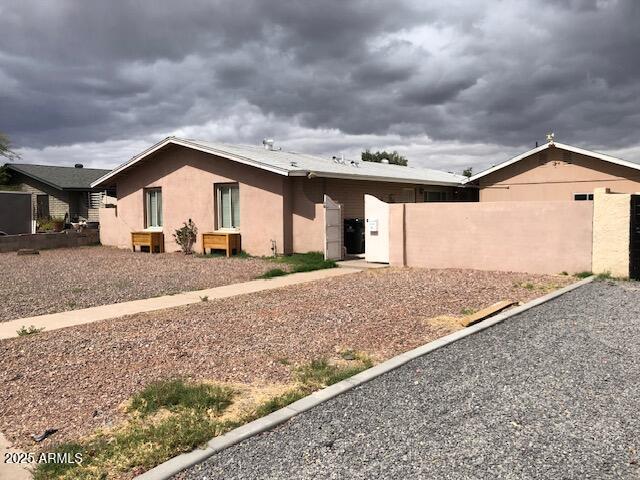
{"x": 557, "y": 179}
{"x": 611, "y": 236}
{"x": 288, "y": 210}
{"x": 187, "y": 178}
{"x": 538, "y": 237}
{"x": 113, "y": 230}
{"x": 307, "y": 214}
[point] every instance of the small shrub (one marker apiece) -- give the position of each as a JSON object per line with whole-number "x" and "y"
{"x": 204, "y": 298}
{"x": 174, "y": 394}
{"x": 468, "y": 311}
{"x": 564, "y": 273}
{"x": 320, "y": 373}
{"x": 186, "y": 236}
{"x": 31, "y": 330}
{"x": 280, "y": 401}
{"x": 604, "y": 276}
{"x": 274, "y": 272}
{"x": 583, "y": 274}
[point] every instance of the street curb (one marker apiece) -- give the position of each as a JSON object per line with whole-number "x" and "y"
{"x": 174, "y": 465}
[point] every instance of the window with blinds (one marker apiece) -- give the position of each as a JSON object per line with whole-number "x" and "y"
{"x": 228, "y": 206}
{"x": 153, "y": 207}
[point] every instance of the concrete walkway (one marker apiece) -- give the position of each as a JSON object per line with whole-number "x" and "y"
{"x": 11, "y": 471}
{"x": 87, "y": 315}
{"x": 360, "y": 263}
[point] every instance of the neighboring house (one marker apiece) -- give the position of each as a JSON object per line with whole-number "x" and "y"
{"x": 270, "y": 196}
{"x": 555, "y": 171}
{"x": 63, "y": 192}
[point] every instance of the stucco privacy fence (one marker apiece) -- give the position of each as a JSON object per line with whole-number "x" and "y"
{"x": 537, "y": 237}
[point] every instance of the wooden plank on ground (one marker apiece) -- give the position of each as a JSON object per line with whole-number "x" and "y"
{"x": 487, "y": 312}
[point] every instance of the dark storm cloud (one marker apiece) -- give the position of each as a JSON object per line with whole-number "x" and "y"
{"x": 494, "y": 72}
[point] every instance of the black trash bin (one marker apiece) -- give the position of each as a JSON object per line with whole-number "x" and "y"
{"x": 354, "y": 235}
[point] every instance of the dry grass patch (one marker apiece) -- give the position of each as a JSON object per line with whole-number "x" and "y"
{"x": 171, "y": 417}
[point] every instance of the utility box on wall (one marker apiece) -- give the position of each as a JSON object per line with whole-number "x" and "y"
{"x": 15, "y": 213}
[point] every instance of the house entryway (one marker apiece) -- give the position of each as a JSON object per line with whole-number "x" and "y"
{"x": 332, "y": 229}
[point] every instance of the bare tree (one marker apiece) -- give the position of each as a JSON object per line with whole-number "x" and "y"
{"x": 6, "y": 149}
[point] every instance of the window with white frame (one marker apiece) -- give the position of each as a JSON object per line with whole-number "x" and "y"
{"x": 228, "y": 206}
{"x": 581, "y": 197}
{"x": 153, "y": 208}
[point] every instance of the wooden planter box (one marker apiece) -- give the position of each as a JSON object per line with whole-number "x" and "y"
{"x": 227, "y": 241}
{"x": 153, "y": 240}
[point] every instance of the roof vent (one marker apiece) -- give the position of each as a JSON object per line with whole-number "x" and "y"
{"x": 354, "y": 163}
{"x": 385, "y": 161}
{"x": 293, "y": 164}
{"x": 267, "y": 143}
{"x": 79, "y": 165}
{"x": 339, "y": 159}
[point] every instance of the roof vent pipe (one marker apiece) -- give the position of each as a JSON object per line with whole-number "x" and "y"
{"x": 79, "y": 165}
{"x": 268, "y": 143}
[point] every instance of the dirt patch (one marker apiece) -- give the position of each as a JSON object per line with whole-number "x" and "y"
{"x": 74, "y": 379}
{"x": 69, "y": 279}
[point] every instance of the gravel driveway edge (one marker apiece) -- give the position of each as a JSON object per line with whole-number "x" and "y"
{"x": 166, "y": 470}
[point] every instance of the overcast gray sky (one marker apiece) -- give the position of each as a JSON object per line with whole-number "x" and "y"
{"x": 448, "y": 83}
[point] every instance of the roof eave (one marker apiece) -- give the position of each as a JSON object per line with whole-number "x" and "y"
{"x": 188, "y": 144}
{"x": 347, "y": 176}
{"x": 35, "y": 177}
{"x": 570, "y": 148}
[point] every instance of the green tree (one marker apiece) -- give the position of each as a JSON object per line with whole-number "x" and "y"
{"x": 393, "y": 157}
{"x": 468, "y": 172}
{"x": 5, "y": 176}
{"x": 6, "y": 149}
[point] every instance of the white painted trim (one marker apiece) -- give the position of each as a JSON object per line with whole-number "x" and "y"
{"x": 166, "y": 470}
{"x": 561, "y": 146}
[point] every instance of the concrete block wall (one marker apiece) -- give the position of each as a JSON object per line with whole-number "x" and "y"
{"x": 43, "y": 241}
{"x": 611, "y": 232}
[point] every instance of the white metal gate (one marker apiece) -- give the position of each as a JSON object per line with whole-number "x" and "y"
{"x": 332, "y": 229}
{"x": 376, "y": 230}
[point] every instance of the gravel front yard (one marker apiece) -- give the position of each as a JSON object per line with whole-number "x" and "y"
{"x": 549, "y": 394}
{"x": 69, "y": 279}
{"x": 74, "y": 379}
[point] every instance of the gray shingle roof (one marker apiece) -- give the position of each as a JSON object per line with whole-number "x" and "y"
{"x": 62, "y": 178}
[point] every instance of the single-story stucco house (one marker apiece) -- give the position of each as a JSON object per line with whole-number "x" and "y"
{"x": 274, "y": 198}
{"x": 62, "y": 192}
{"x": 555, "y": 171}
